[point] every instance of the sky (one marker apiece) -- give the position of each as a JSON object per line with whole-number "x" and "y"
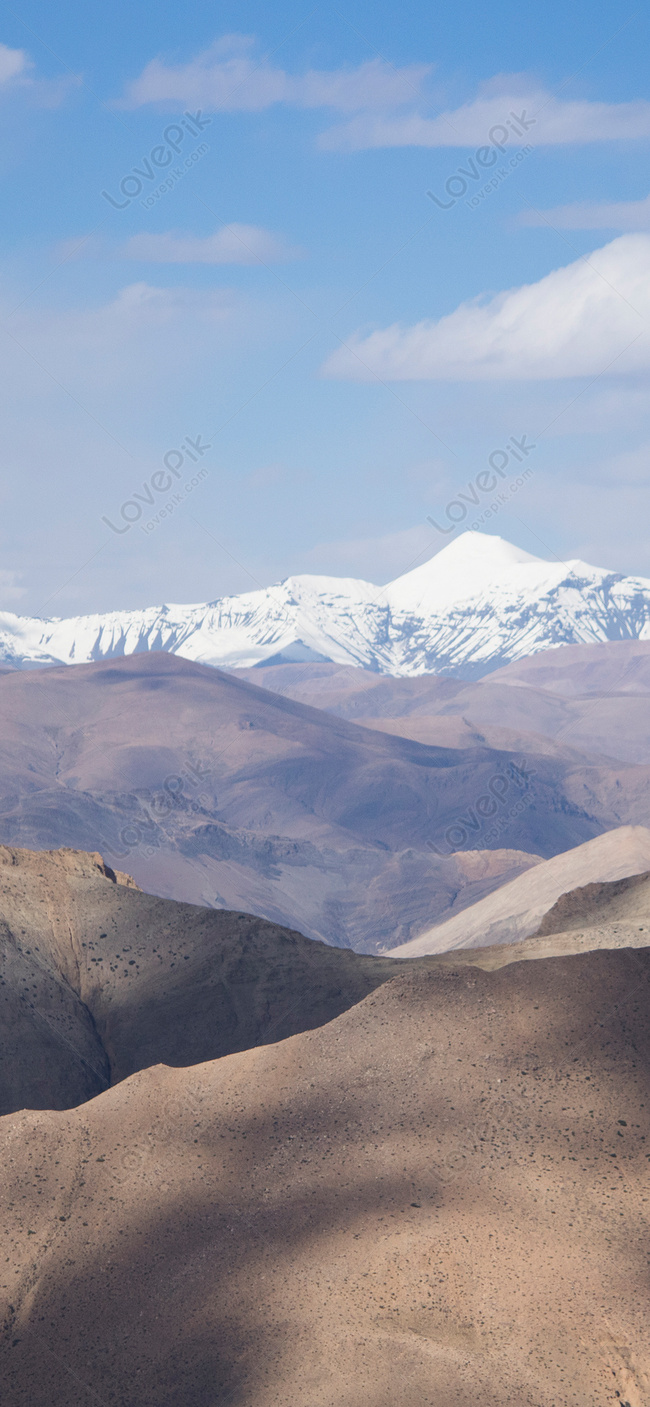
{"x": 309, "y": 289}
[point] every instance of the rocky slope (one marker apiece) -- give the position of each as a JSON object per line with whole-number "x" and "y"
{"x": 441, "y": 1196}
{"x": 98, "y": 980}
{"x": 608, "y": 914}
{"x": 515, "y": 910}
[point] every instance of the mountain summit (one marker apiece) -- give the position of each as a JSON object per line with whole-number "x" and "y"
{"x": 465, "y": 567}
{"x": 478, "y": 604}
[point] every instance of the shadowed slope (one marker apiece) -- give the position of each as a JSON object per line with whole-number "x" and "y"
{"x": 438, "y": 1199}
{"x": 99, "y": 979}
{"x": 619, "y": 901}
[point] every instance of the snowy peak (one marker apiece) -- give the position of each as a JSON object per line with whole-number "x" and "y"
{"x": 305, "y": 586}
{"x": 478, "y": 604}
{"x": 466, "y": 567}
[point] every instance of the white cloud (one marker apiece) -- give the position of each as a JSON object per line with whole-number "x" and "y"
{"x": 505, "y": 113}
{"x": 228, "y": 77}
{"x": 507, "y": 110}
{"x": 16, "y": 77}
{"x": 12, "y": 62}
{"x": 573, "y": 322}
{"x": 232, "y": 244}
{"x": 600, "y": 215}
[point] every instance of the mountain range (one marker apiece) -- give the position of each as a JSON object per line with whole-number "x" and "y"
{"x": 99, "y": 980}
{"x": 593, "y": 698}
{"x": 213, "y": 791}
{"x": 477, "y": 605}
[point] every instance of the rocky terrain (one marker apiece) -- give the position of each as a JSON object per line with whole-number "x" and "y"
{"x": 98, "y": 980}
{"x": 442, "y": 1195}
{"x": 301, "y": 1175}
{"x": 614, "y": 914}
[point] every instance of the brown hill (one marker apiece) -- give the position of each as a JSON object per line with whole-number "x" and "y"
{"x": 610, "y": 915}
{"x": 576, "y": 671}
{"x": 98, "y": 980}
{"x": 619, "y": 901}
{"x": 440, "y": 1197}
{"x": 592, "y": 698}
{"x": 514, "y": 911}
{"x": 212, "y": 791}
{"x": 449, "y": 730}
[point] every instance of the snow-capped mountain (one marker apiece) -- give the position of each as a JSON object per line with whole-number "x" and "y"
{"x": 478, "y": 604}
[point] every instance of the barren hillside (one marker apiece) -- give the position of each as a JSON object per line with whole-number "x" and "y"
{"x": 439, "y": 1197}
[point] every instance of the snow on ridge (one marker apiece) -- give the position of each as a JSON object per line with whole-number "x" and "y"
{"x": 425, "y": 622}
{"x": 464, "y": 568}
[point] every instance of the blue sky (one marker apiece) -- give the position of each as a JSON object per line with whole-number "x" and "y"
{"x": 396, "y": 244}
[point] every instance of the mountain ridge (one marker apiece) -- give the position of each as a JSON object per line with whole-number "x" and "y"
{"x": 98, "y": 979}
{"x": 474, "y": 607}
{"x": 515, "y": 911}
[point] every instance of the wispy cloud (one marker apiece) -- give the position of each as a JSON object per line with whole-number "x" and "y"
{"x": 12, "y": 63}
{"x": 17, "y": 78}
{"x": 232, "y": 244}
{"x": 545, "y": 119}
{"x": 129, "y": 342}
{"x": 599, "y": 215}
{"x": 228, "y": 76}
{"x": 573, "y": 322}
